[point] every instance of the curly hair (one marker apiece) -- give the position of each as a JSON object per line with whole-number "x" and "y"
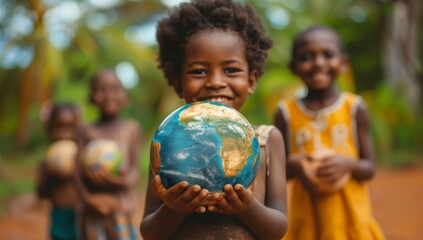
{"x": 198, "y": 15}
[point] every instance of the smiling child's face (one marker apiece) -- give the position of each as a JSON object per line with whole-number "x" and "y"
{"x": 63, "y": 125}
{"x": 216, "y": 69}
{"x": 108, "y": 93}
{"x": 318, "y": 59}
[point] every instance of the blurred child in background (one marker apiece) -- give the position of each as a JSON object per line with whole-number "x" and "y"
{"x": 215, "y": 50}
{"x": 56, "y": 172}
{"x": 329, "y": 147}
{"x": 109, "y": 204}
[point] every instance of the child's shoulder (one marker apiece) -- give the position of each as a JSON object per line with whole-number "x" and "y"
{"x": 263, "y": 132}
{"x": 352, "y": 96}
{"x": 132, "y": 122}
{"x": 268, "y": 136}
{"x": 132, "y": 125}
{"x": 288, "y": 102}
{"x": 289, "y": 99}
{"x": 354, "y": 101}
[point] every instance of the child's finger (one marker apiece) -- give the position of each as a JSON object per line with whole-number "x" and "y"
{"x": 158, "y": 186}
{"x": 220, "y": 200}
{"x": 200, "y": 197}
{"x": 189, "y": 195}
{"x": 200, "y": 209}
{"x": 214, "y": 208}
{"x": 243, "y": 194}
{"x": 325, "y": 171}
{"x": 232, "y": 196}
{"x": 176, "y": 190}
{"x": 193, "y": 197}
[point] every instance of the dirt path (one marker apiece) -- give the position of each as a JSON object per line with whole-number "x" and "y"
{"x": 397, "y": 203}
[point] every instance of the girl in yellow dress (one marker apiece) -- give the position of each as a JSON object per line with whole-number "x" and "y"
{"x": 329, "y": 148}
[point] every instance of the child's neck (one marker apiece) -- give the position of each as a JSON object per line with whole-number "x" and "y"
{"x": 109, "y": 119}
{"x": 318, "y": 99}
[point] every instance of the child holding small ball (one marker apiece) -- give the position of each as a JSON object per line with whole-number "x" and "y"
{"x": 109, "y": 204}
{"x": 56, "y": 172}
{"x": 329, "y": 148}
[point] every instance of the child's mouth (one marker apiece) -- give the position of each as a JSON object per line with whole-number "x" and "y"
{"x": 217, "y": 99}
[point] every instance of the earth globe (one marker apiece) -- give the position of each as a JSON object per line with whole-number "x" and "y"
{"x": 60, "y": 157}
{"x": 205, "y": 143}
{"x": 103, "y": 154}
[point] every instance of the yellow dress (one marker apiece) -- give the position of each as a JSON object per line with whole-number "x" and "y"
{"x": 344, "y": 214}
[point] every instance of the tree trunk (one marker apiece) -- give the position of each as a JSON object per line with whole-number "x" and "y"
{"x": 402, "y": 62}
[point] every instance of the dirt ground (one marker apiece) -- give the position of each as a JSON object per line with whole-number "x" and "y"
{"x": 397, "y": 197}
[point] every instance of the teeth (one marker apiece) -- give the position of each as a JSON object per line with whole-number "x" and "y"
{"x": 218, "y": 99}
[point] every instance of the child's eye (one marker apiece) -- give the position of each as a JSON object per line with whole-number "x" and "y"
{"x": 198, "y": 72}
{"x": 305, "y": 57}
{"x": 329, "y": 54}
{"x": 231, "y": 70}
{"x": 99, "y": 90}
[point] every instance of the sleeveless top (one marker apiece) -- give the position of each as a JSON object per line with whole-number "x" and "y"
{"x": 221, "y": 226}
{"x": 344, "y": 214}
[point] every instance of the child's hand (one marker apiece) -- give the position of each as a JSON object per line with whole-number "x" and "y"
{"x": 102, "y": 178}
{"x": 234, "y": 200}
{"x": 180, "y": 197}
{"x": 332, "y": 168}
{"x": 301, "y": 168}
{"x": 307, "y": 176}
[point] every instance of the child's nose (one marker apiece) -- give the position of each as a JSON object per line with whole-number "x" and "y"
{"x": 319, "y": 60}
{"x": 216, "y": 80}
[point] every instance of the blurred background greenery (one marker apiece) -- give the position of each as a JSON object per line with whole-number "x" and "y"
{"x": 49, "y": 49}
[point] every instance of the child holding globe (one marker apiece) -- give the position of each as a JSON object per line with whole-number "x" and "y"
{"x": 108, "y": 202}
{"x": 327, "y": 136}
{"x": 215, "y": 50}
{"x": 55, "y": 178}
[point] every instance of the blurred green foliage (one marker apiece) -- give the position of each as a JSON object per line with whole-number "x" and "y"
{"x": 62, "y": 74}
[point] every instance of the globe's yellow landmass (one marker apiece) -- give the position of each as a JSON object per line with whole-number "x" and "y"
{"x": 206, "y": 111}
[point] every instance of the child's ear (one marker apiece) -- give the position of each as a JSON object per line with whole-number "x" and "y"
{"x": 177, "y": 85}
{"x": 292, "y": 67}
{"x": 180, "y": 93}
{"x": 127, "y": 99}
{"x": 252, "y": 81}
{"x": 45, "y": 111}
{"x": 345, "y": 63}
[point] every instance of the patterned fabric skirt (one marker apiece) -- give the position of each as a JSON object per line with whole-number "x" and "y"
{"x": 117, "y": 226}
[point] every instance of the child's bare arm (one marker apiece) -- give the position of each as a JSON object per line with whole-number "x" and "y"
{"x": 294, "y": 163}
{"x": 365, "y": 168}
{"x": 43, "y": 189}
{"x": 169, "y": 207}
{"x": 132, "y": 173}
{"x": 269, "y": 221}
